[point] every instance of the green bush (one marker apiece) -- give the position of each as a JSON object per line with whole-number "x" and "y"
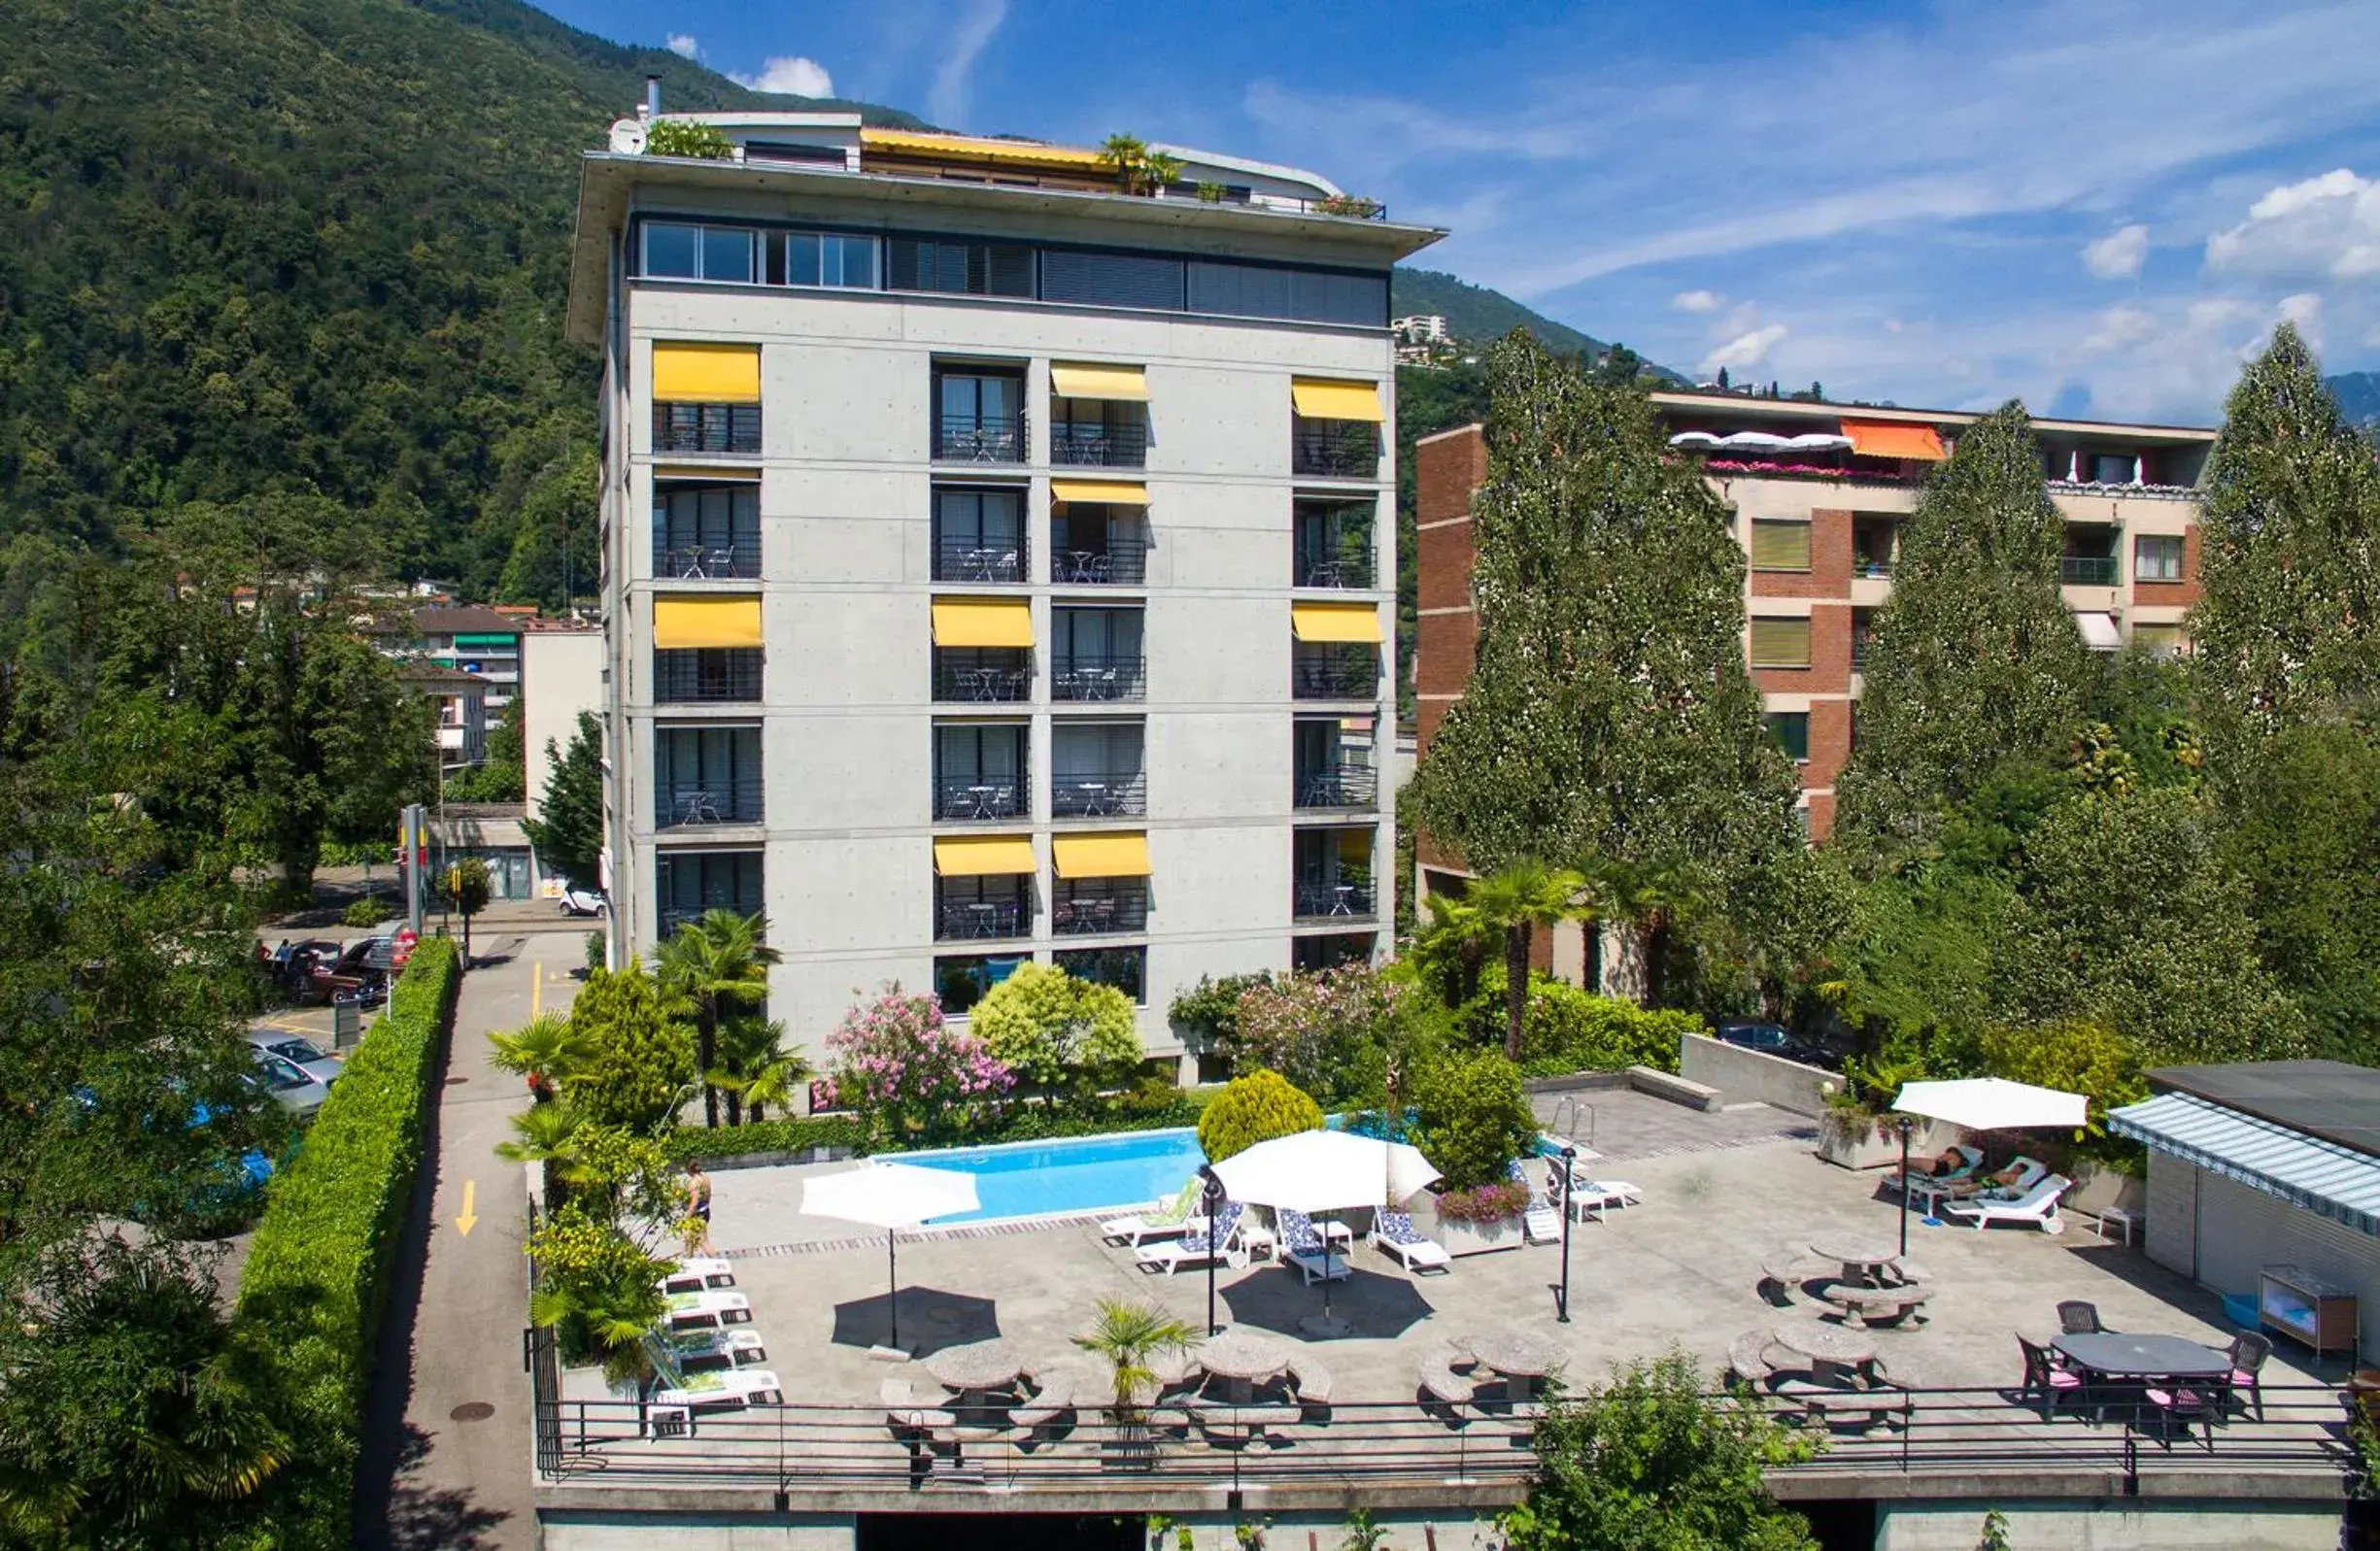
{"x": 768, "y": 1136}
{"x": 1566, "y": 1030}
{"x": 1255, "y": 1108}
{"x": 1210, "y": 1009}
{"x": 367, "y": 911}
{"x": 1474, "y": 1118}
{"x": 683, "y": 137}
{"x": 317, "y": 1278}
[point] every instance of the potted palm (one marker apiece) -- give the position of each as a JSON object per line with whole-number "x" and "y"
{"x": 1128, "y": 1336}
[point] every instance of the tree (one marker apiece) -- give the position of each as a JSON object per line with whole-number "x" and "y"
{"x": 467, "y": 885}
{"x": 711, "y": 969}
{"x": 501, "y": 777}
{"x": 1475, "y": 1119}
{"x": 907, "y": 1071}
{"x": 2288, "y": 629}
{"x": 1255, "y": 1107}
{"x": 1126, "y": 1337}
{"x": 545, "y": 1051}
{"x": 640, "y": 1062}
{"x": 756, "y": 1068}
{"x": 1648, "y": 1462}
{"x": 1129, "y": 156}
{"x": 598, "y": 1289}
{"x": 1658, "y": 896}
{"x": 1327, "y": 1032}
{"x": 1975, "y": 660}
{"x": 569, "y": 831}
{"x": 1512, "y": 903}
{"x": 1610, "y": 712}
{"x": 1056, "y": 1032}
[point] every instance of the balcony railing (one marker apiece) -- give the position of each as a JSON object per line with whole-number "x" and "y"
{"x": 1099, "y": 678}
{"x": 681, "y": 557}
{"x": 706, "y": 675}
{"x": 1871, "y": 568}
{"x": 1089, "y": 443}
{"x": 2086, "y": 570}
{"x": 1089, "y": 909}
{"x": 673, "y": 917}
{"x": 1099, "y": 793}
{"x": 1334, "y": 676}
{"x": 985, "y": 677}
{"x": 686, "y": 804}
{"x": 1320, "y": 898}
{"x": 1124, "y": 563}
{"x": 1334, "y": 449}
{"x": 979, "y": 438}
{"x": 1335, "y": 567}
{"x": 720, "y": 429}
{"x": 991, "y": 558}
{"x": 960, "y": 799}
{"x": 977, "y": 920}
{"x": 1346, "y": 785}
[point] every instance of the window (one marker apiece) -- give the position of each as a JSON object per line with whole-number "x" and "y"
{"x": 1111, "y": 280}
{"x": 1791, "y": 730}
{"x": 979, "y": 535}
{"x": 674, "y": 252}
{"x": 706, "y": 531}
{"x": 979, "y": 770}
{"x": 1333, "y": 544}
{"x": 2111, "y": 468}
{"x": 706, "y": 775}
{"x": 2160, "y": 640}
{"x": 826, "y": 258}
{"x": 1095, "y": 654}
{"x": 1124, "y": 968}
{"x": 979, "y": 416}
{"x": 2156, "y": 558}
{"x": 696, "y": 674}
{"x": 1778, "y": 545}
{"x": 1780, "y": 643}
{"x": 690, "y": 883}
{"x": 958, "y": 266}
{"x": 1262, "y": 291}
{"x": 1316, "y": 954}
{"x": 991, "y": 905}
{"x": 964, "y": 980}
{"x": 1096, "y": 770}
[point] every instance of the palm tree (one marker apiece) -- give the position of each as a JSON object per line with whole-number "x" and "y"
{"x": 1127, "y": 1335}
{"x": 1657, "y": 897}
{"x": 544, "y": 1052}
{"x": 711, "y": 969}
{"x": 756, "y": 1068}
{"x": 614, "y": 1316}
{"x": 1515, "y": 902}
{"x": 1453, "y": 947}
{"x": 548, "y": 1135}
{"x": 1129, "y": 156}
{"x": 1157, "y": 169}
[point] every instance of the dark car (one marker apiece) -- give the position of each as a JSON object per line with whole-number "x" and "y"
{"x": 359, "y": 973}
{"x": 1772, "y": 1039}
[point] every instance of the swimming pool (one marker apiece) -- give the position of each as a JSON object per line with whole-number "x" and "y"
{"x": 1076, "y": 1174}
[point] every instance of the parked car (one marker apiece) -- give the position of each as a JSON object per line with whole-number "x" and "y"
{"x": 311, "y": 1058}
{"x": 286, "y": 1081}
{"x": 361, "y": 970}
{"x": 1773, "y": 1039}
{"x": 577, "y": 902}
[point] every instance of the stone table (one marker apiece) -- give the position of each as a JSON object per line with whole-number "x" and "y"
{"x": 980, "y": 1372}
{"x": 1518, "y": 1357}
{"x": 1863, "y": 1260}
{"x": 1243, "y": 1360}
{"x": 1828, "y": 1343}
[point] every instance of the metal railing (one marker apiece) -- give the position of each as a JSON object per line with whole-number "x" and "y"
{"x": 985, "y": 676}
{"x": 678, "y": 558}
{"x": 1322, "y": 898}
{"x": 1345, "y": 786}
{"x": 1334, "y": 449}
{"x": 689, "y": 804}
{"x": 982, "y": 796}
{"x": 999, "y": 558}
{"x": 672, "y": 918}
{"x": 1089, "y": 909}
{"x": 1083, "y": 677}
{"x": 706, "y": 675}
{"x": 720, "y": 429}
{"x": 975, "y": 919}
{"x": 1328, "y": 675}
{"x": 1091, "y": 444}
{"x": 1334, "y": 567}
{"x": 1097, "y": 794}
{"x": 1124, "y": 563}
{"x": 979, "y": 438}
{"x": 2086, "y": 570}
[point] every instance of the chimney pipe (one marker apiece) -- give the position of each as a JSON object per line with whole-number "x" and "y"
{"x": 653, "y": 98}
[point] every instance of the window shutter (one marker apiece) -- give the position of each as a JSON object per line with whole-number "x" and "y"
{"x": 1780, "y": 545}
{"x": 1780, "y": 643}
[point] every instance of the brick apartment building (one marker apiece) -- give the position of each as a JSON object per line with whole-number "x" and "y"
{"x": 1819, "y": 493}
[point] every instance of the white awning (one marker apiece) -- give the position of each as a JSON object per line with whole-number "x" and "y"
{"x": 2099, "y": 632}
{"x": 2321, "y": 1176}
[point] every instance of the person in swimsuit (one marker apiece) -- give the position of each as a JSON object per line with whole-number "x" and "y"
{"x": 698, "y": 1201}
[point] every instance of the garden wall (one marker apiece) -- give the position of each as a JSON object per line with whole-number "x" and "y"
{"x": 1747, "y": 1076}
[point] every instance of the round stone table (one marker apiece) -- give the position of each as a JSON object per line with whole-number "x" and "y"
{"x": 1518, "y": 1357}
{"x": 1828, "y": 1343}
{"x": 1862, "y": 1260}
{"x": 979, "y": 1366}
{"x": 1243, "y": 1360}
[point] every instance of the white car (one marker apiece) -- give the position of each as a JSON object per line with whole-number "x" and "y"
{"x": 577, "y": 902}
{"x": 286, "y": 1080}
{"x": 311, "y": 1058}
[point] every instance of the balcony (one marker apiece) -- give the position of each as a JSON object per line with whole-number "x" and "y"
{"x": 679, "y": 557}
{"x": 1121, "y": 560}
{"x": 1335, "y": 673}
{"x": 1333, "y": 547}
{"x": 1099, "y": 678}
{"x": 1323, "y": 899}
{"x": 986, "y": 558}
{"x": 963, "y": 438}
{"x": 680, "y": 805}
{"x": 959, "y": 799}
{"x": 706, "y": 675}
{"x": 1099, "y": 794}
{"x": 1345, "y": 786}
{"x": 723, "y": 429}
{"x": 1096, "y": 444}
{"x": 2086, "y": 570}
{"x": 1347, "y": 449}
{"x": 1093, "y": 906}
{"x": 983, "y": 915}
{"x": 1334, "y": 567}
{"x": 988, "y": 675}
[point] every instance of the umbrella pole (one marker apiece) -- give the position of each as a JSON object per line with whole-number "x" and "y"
{"x": 892, "y": 1266}
{"x": 1905, "y": 1130}
{"x": 1326, "y": 1275}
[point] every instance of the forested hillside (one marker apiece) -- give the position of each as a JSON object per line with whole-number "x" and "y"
{"x": 1474, "y": 312}
{"x": 2359, "y": 397}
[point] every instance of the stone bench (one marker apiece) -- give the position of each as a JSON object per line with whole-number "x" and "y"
{"x": 1831, "y": 1406}
{"x": 1311, "y": 1382}
{"x": 1862, "y": 1304}
{"x": 1677, "y": 1089}
{"x": 1054, "y": 1400}
{"x": 1748, "y": 1356}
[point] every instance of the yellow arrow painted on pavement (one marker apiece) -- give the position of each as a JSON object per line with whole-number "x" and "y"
{"x": 469, "y": 1218}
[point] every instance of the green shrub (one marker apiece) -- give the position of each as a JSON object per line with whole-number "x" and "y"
{"x": 1210, "y": 1009}
{"x": 768, "y": 1136}
{"x": 683, "y": 137}
{"x": 1473, "y": 1117}
{"x": 1255, "y": 1108}
{"x": 317, "y": 1278}
{"x": 368, "y": 911}
{"x": 1566, "y": 1030}
{"x": 1059, "y": 1034}
{"x": 598, "y": 954}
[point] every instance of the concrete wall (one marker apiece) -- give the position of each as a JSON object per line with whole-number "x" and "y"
{"x": 1747, "y": 1076}
{"x": 2222, "y": 1233}
{"x": 2113, "y": 1525}
{"x": 561, "y": 674}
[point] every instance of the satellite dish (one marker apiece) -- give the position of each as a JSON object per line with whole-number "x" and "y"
{"x": 629, "y": 137}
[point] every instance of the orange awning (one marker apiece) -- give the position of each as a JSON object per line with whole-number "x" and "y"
{"x": 1894, "y": 439}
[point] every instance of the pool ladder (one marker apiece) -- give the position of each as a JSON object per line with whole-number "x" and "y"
{"x": 1569, "y": 1106}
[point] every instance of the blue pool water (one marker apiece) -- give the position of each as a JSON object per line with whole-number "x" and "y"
{"x": 1079, "y": 1174}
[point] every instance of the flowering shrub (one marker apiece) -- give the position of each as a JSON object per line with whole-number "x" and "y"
{"x": 1326, "y": 1032}
{"x": 1484, "y": 1203}
{"x": 907, "y": 1071}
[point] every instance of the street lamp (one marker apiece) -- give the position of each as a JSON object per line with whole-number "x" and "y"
{"x": 1569, "y": 1158}
{"x": 1905, "y": 1123}
{"x": 1213, "y": 1198}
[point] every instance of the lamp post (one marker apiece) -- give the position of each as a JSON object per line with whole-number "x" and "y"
{"x": 1905, "y": 1125}
{"x": 1569, "y": 1158}
{"x": 1212, "y": 1198}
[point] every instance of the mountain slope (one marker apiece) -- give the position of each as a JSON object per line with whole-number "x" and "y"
{"x": 2358, "y": 396}
{"x": 1474, "y": 312}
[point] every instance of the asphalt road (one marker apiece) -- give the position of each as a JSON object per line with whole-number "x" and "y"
{"x": 447, "y": 1443}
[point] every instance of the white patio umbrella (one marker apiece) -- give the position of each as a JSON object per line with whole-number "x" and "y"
{"x": 1325, "y": 1171}
{"x": 890, "y": 1196}
{"x": 1984, "y": 1104}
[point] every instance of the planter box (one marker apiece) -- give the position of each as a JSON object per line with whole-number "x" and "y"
{"x": 1883, "y": 1150}
{"x": 1479, "y": 1238}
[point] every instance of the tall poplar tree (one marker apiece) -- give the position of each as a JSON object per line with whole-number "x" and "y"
{"x": 1975, "y": 660}
{"x": 1610, "y": 712}
{"x": 2288, "y": 629}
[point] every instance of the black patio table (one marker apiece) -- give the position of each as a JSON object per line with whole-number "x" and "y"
{"x": 2136, "y": 1362}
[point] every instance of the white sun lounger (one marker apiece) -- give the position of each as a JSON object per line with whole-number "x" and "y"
{"x": 1166, "y": 1221}
{"x": 1219, "y": 1241}
{"x": 1394, "y": 1234}
{"x": 2038, "y": 1206}
{"x": 699, "y": 1273}
{"x": 708, "y": 1311}
{"x": 673, "y": 1408}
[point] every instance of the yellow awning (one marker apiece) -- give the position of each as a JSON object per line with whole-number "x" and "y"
{"x": 709, "y": 476}
{"x": 982, "y": 622}
{"x": 1102, "y": 856}
{"x": 1099, "y": 381}
{"x": 707, "y": 374}
{"x": 1112, "y": 492}
{"x": 932, "y": 143}
{"x": 1335, "y": 622}
{"x": 983, "y": 856}
{"x": 1354, "y": 845}
{"x": 1319, "y": 400}
{"x": 679, "y": 622}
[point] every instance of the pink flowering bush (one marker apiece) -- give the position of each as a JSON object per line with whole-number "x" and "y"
{"x": 907, "y": 1072}
{"x": 1337, "y": 1033}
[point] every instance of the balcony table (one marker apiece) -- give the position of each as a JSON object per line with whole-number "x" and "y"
{"x": 983, "y": 919}
{"x": 688, "y": 562}
{"x": 2135, "y": 1362}
{"x": 698, "y": 807}
{"x": 1343, "y": 897}
{"x": 982, "y": 797}
{"x": 1085, "y": 565}
{"x": 1093, "y": 795}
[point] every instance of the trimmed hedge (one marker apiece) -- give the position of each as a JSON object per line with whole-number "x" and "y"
{"x": 318, "y": 1274}
{"x": 1564, "y": 1030}
{"x": 768, "y": 1136}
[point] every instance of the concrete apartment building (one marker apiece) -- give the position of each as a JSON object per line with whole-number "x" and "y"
{"x": 1819, "y": 491}
{"x": 998, "y": 567}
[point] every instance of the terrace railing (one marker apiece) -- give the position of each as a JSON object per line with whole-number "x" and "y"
{"x": 1094, "y": 444}
{"x": 1097, "y": 794}
{"x": 1347, "y": 449}
{"x": 1086, "y": 676}
{"x": 1345, "y": 786}
{"x": 2086, "y": 570}
{"x": 979, "y": 438}
{"x": 984, "y": 557}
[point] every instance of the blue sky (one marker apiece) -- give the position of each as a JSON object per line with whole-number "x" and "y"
{"x": 2095, "y": 205}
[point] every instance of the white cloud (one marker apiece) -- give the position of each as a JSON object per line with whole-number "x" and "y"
{"x": 2119, "y": 254}
{"x": 2321, "y": 228}
{"x": 793, "y": 75}
{"x": 946, "y": 101}
{"x": 1695, "y": 301}
{"x": 1744, "y": 350}
{"x": 684, "y": 46}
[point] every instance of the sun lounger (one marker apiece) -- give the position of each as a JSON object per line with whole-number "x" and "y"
{"x": 1306, "y": 1252}
{"x": 1166, "y": 1221}
{"x": 1971, "y": 1160}
{"x": 1217, "y": 1242}
{"x": 706, "y": 1311}
{"x": 698, "y": 1274}
{"x": 1591, "y": 1199}
{"x": 1393, "y": 1234}
{"x": 2037, "y": 1206}
{"x": 1539, "y": 1223}
{"x": 673, "y": 1409}
{"x": 738, "y": 1347}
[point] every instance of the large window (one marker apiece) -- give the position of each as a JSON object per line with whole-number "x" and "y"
{"x": 979, "y": 534}
{"x": 706, "y": 531}
{"x": 978, "y": 416}
{"x": 690, "y": 883}
{"x": 706, "y": 775}
{"x": 979, "y": 770}
{"x": 962, "y": 980}
{"x": 959, "y": 265}
{"x": 1778, "y": 546}
{"x": 1781, "y": 642}
{"x": 1791, "y": 730}
{"x": 1094, "y": 655}
{"x": 1095, "y": 769}
{"x": 2156, "y": 558}
{"x": 674, "y": 252}
{"x": 828, "y": 259}
{"x": 1124, "y": 968}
